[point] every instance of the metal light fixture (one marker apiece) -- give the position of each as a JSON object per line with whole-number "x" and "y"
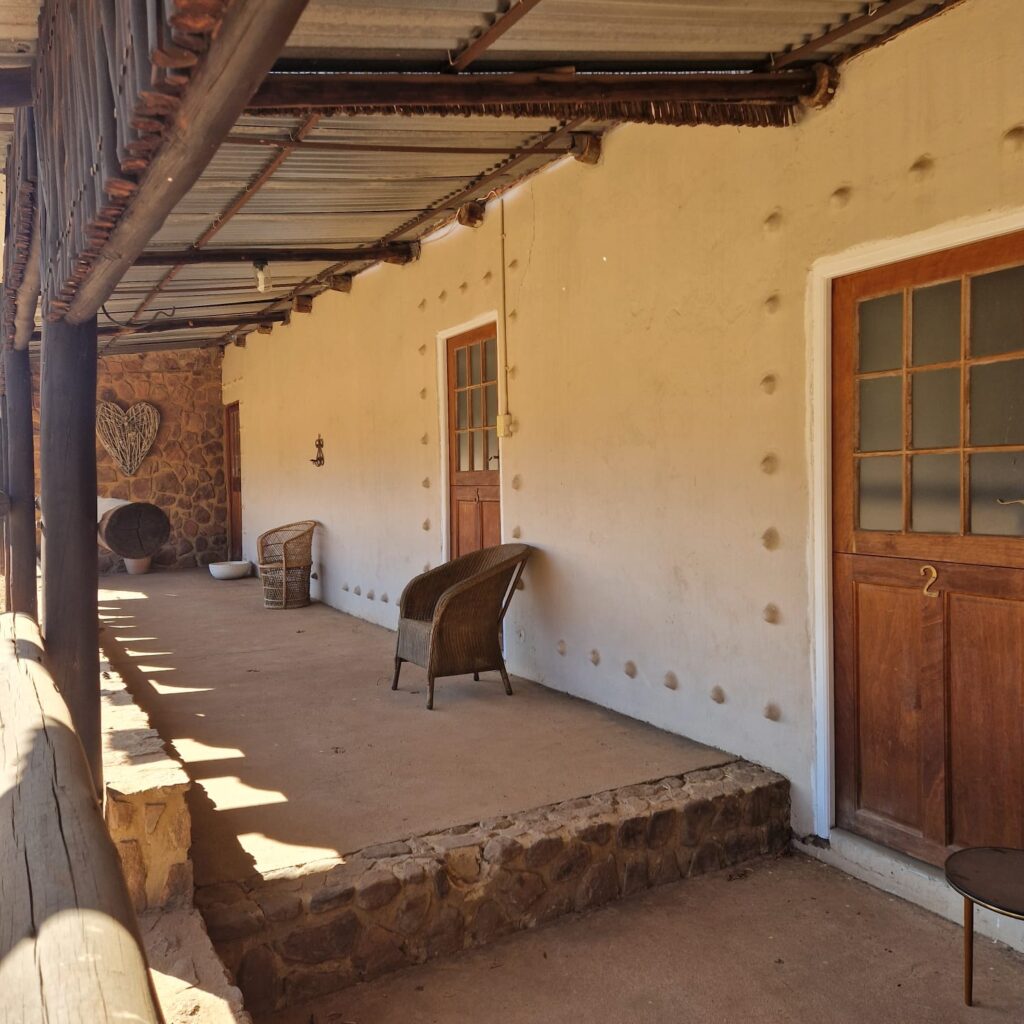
{"x": 319, "y": 459}
{"x": 262, "y": 276}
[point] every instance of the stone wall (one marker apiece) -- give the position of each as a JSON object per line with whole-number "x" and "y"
{"x": 144, "y": 806}
{"x": 184, "y": 472}
{"x": 299, "y": 933}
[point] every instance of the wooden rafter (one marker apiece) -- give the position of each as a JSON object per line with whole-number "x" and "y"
{"x": 477, "y": 188}
{"x": 284, "y": 150}
{"x": 475, "y": 47}
{"x": 812, "y": 48}
{"x": 310, "y": 145}
{"x": 399, "y": 252}
{"x": 487, "y": 93}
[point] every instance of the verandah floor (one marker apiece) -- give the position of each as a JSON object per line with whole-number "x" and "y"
{"x": 299, "y": 749}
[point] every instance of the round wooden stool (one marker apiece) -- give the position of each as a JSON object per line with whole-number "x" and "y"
{"x": 991, "y": 877}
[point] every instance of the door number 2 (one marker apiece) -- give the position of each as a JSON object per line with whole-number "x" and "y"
{"x": 932, "y": 575}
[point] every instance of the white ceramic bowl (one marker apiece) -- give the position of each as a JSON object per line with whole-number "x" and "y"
{"x": 230, "y": 570}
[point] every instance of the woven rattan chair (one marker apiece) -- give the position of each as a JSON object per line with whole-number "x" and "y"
{"x": 286, "y": 559}
{"x": 450, "y": 617}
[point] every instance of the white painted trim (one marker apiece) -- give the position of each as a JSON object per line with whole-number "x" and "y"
{"x": 481, "y": 320}
{"x": 819, "y": 351}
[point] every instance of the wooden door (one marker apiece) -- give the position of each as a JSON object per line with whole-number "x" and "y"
{"x": 928, "y": 563}
{"x": 233, "y": 460}
{"x": 475, "y": 493}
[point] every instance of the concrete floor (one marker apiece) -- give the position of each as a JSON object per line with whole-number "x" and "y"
{"x": 787, "y": 941}
{"x": 300, "y": 750}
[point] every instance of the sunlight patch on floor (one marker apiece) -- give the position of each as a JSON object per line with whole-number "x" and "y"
{"x": 230, "y": 793}
{"x": 271, "y": 854}
{"x": 121, "y": 595}
{"x": 193, "y": 750}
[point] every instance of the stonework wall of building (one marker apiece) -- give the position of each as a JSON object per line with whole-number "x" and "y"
{"x": 184, "y": 472}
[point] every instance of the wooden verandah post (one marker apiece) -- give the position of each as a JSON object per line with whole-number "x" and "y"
{"x": 67, "y": 464}
{"x": 21, "y": 484}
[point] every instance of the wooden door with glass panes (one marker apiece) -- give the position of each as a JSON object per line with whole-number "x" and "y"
{"x": 928, "y": 538}
{"x": 475, "y": 494}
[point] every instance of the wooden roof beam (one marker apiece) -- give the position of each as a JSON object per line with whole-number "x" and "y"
{"x": 464, "y": 92}
{"x": 475, "y": 47}
{"x": 395, "y": 252}
{"x": 809, "y": 50}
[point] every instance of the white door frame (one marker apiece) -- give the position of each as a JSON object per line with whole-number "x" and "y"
{"x": 818, "y": 324}
{"x": 481, "y": 320}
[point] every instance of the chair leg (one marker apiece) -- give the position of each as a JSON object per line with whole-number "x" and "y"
{"x": 430, "y": 693}
{"x": 476, "y": 677}
{"x": 398, "y": 668}
{"x": 504, "y": 678}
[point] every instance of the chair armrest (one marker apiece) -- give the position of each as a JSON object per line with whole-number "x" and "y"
{"x": 452, "y": 595}
{"x": 422, "y": 592}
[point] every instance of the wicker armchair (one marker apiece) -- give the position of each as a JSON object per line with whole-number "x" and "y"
{"x": 286, "y": 559}
{"x": 450, "y": 617}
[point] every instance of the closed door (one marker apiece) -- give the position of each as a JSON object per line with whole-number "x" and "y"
{"x": 928, "y": 499}
{"x": 233, "y": 459}
{"x": 473, "y": 456}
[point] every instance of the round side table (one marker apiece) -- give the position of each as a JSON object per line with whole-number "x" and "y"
{"x": 991, "y": 877}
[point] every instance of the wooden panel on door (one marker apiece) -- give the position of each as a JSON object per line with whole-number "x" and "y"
{"x": 986, "y": 691}
{"x": 890, "y": 705}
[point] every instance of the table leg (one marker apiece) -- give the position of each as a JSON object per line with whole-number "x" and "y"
{"x": 968, "y": 951}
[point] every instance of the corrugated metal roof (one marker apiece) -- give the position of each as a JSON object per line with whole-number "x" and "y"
{"x": 384, "y": 178}
{"x": 607, "y": 33}
{"x": 318, "y": 197}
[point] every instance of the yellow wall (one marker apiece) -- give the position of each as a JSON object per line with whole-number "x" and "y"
{"x": 647, "y": 299}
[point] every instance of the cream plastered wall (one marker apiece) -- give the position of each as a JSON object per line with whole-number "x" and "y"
{"x": 663, "y": 482}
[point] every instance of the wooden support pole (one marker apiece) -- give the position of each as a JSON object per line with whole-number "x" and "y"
{"x": 5, "y": 521}
{"x": 67, "y": 462}
{"x": 21, "y": 478}
{"x": 15, "y": 87}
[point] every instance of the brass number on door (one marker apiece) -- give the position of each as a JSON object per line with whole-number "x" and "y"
{"x": 932, "y": 573}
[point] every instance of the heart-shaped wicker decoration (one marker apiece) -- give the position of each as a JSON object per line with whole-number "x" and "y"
{"x": 127, "y": 434}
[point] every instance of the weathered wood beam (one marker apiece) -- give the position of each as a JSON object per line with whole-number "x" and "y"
{"x": 15, "y": 87}
{"x": 473, "y": 49}
{"x": 69, "y": 942}
{"x": 250, "y": 190}
{"x": 67, "y": 465}
{"x": 315, "y": 145}
{"x": 409, "y": 91}
{"x": 195, "y": 323}
{"x": 811, "y": 49}
{"x": 398, "y": 252}
{"x": 21, "y": 481}
{"x": 248, "y": 42}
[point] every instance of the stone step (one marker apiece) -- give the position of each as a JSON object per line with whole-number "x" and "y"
{"x": 303, "y": 932}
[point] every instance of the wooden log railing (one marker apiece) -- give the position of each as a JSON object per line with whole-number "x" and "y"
{"x": 69, "y": 944}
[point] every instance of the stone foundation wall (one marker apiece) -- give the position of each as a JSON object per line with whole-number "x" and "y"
{"x": 184, "y": 472}
{"x": 298, "y": 934}
{"x": 144, "y": 805}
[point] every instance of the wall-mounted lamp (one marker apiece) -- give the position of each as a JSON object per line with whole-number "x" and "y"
{"x": 319, "y": 459}
{"x": 262, "y": 276}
